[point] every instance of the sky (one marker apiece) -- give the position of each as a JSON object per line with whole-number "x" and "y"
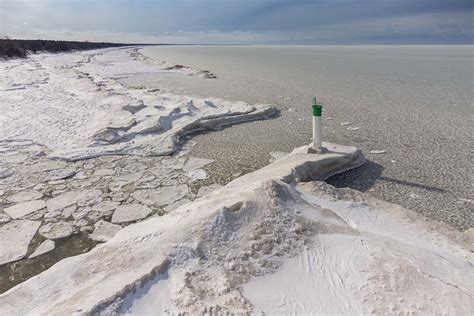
{"x": 242, "y": 21}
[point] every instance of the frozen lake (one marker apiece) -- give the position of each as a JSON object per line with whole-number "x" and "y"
{"x": 414, "y": 102}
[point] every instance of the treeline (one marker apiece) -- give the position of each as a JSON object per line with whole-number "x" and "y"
{"x": 20, "y": 48}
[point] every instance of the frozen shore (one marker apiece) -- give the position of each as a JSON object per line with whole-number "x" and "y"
{"x": 76, "y": 105}
{"x": 275, "y": 241}
{"x": 88, "y": 147}
{"x": 89, "y": 152}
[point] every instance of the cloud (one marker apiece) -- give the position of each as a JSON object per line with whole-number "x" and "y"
{"x": 243, "y": 21}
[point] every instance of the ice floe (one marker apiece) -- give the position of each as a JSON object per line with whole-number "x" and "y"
{"x": 21, "y": 209}
{"x": 378, "y": 152}
{"x": 56, "y": 230}
{"x": 198, "y": 174}
{"x": 15, "y": 238}
{"x": 104, "y": 231}
{"x": 161, "y": 196}
{"x": 24, "y": 196}
{"x": 194, "y": 163}
{"x": 44, "y": 247}
{"x": 130, "y": 213}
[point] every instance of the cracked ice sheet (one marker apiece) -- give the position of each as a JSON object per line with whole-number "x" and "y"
{"x": 76, "y": 106}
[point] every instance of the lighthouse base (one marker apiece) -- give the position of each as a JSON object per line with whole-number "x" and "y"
{"x": 314, "y": 150}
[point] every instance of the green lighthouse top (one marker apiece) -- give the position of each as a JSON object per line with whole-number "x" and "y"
{"x": 317, "y": 108}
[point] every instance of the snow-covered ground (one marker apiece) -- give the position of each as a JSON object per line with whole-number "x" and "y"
{"x": 275, "y": 241}
{"x": 76, "y": 106}
{"x": 85, "y": 149}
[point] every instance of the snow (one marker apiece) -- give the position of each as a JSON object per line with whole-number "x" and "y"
{"x": 15, "y": 238}
{"x": 391, "y": 262}
{"x": 208, "y": 189}
{"x": 276, "y": 155}
{"x": 21, "y": 209}
{"x": 310, "y": 283}
{"x": 273, "y": 241}
{"x": 76, "y": 105}
{"x": 44, "y": 247}
{"x": 4, "y": 218}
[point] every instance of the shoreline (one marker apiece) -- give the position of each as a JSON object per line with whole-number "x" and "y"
{"x": 91, "y": 146}
{"x": 93, "y": 197}
{"x": 226, "y": 244}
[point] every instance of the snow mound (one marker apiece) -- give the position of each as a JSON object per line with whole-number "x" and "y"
{"x": 243, "y": 247}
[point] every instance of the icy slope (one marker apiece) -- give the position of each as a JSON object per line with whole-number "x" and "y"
{"x": 76, "y": 105}
{"x": 266, "y": 242}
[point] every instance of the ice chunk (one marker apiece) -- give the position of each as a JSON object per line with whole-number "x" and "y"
{"x": 4, "y": 218}
{"x": 106, "y": 206}
{"x": 46, "y": 246}
{"x": 15, "y": 238}
{"x": 25, "y": 208}
{"x": 104, "y": 172}
{"x": 25, "y": 195}
{"x": 61, "y": 201}
{"x": 86, "y": 197}
{"x": 196, "y": 163}
{"x": 130, "y": 213}
{"x": 104, "y": 231}
{"x": 56, "y": 230}
{"x": 162, "y": 195}
{"x": 60, "y": 174}
{"x": 198, "y": 174}
{"x": 5, "y": 173}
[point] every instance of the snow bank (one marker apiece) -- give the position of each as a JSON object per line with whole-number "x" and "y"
{"x": 78, "y": 106}
{"x": 271, "y": 241}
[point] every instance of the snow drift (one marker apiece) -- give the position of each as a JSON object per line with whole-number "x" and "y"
{"x": 273, "y": 241}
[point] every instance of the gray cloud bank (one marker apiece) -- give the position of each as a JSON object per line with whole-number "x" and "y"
{"x": 244, "y": 21}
